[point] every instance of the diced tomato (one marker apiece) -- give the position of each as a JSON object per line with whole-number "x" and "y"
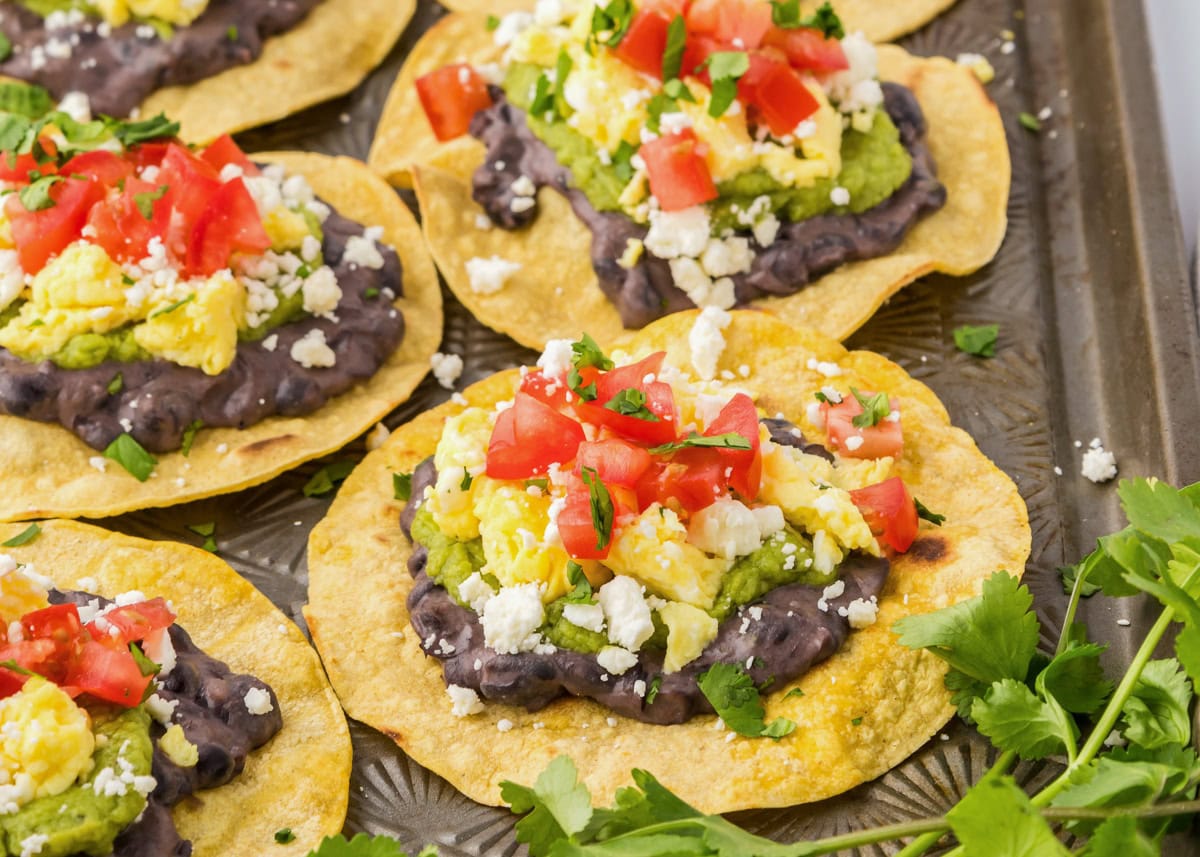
{"x": 630, "y": 375}
{"x": 670, "y": 8}
{"x": 678, "y": 174}
{"x": 229, "y": 224}
{"x": 660, "y": 401}
{"x": 109, "y": 674}
{"x": 645, "y": 42}
{"x": 615, "y": 461}
{"x": 696, "y": 50}
{"x": 808, "y": 49}
{"x": 224, "y": 151}
{"x": 106, "y": 167}
{"x": 782, "y": 99}
{"x": 739, "y": 24}
{"x": 148, "y": 154}
{"x": 549, "y": 390}
{"x": 18, "y": 169}
{"x": 576, "y": 529}
{"x": 889, "y": 511}
{"x": 59, "y": 623}
{"x": 191, "y": 184}
{"x": 37, "y": 656}
{"x": 451, "y": 96}
{"x": 120, "y": 226}
{"x": 761, "y": 62}
{"x": 40, "y": 235}
{"x": 739, "y": 416}
{"x": 136, "y": 622}
{"x": 883, "y": 438}
{"x": 11, "y": 682}
{"x": 529, "y": 437}
{"x": 693, "y": 479}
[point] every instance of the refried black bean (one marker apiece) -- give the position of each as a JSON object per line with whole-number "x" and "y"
{"x": 801, "y": 252}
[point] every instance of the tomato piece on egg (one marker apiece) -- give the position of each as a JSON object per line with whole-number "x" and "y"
{"x": 660, "y": 402}
{"x": 105, "y": 167}
{"x": 889, "y": 511}
{"x": 120, "y": 224}
{"x": 224, "y": 151}
{"x": 883, "y": 438}
{"x": 229, "y": 224}
{"x": 109, "y": 674}
{"x": 692, "y": 479}
{"x": 451, "y": 96}
{"x": 40, "y": 235}
{"x": 645, "y": 42}
{"x": 782, "y": 99}
{"x": 529, "y": 437}
{"x": 740, "y": 25}
{"x": 577, "y": 529}
{"x": 136, "y": 622}
{"x": 744, "y": 466}
{"x": 677, "y": 171}
{"x": 808, "y": 49}
{"x": 550, "y": 391}
{"x": 615, "y": 461}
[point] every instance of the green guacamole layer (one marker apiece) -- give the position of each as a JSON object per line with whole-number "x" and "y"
{"x": 749, "y": 579}
{"x": 874, "y": 166}
{"x": 46, "y": 7}
{"x": 79, "y": 821}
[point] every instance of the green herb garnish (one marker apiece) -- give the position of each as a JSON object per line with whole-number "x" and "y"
{"x": 724, "y": 69}
{"x": 655, "y": 687}
{"x": 24, "y": 537}
{"x": 491, "y": 23}
{"x": 189, "y": 436}
{"x": 145, "y": 665}
{"x": 786, "y": 15}
{"x": 603, "y": 513}
{"x": 322, "y": 482}
{"x": 613, "y": 20}
{"x": 5, "y": 47}
{"x": 232, "y": 33}
{"x": 116, "y": 384}
{"x": 36, "y": 196}
{"x": 581, "y": 593}
{"x": 370, "y": 292}
{"x": 1029, "y": 122}
{"x": 980, "y": 341}
{"x": 131, "y": 455}
{"x": 924, "y": 514}
{"x": 172, "y": 307}
{"x": 631, "y": 402}
{"x": 875, "y": 408}
{"x": 284, "y": 835}
{"x": 402, "y": 486}
{"x": 729, "y": 440}
{"x": 467, "y": 479}
{"x": 145, "y": 201}
{"x": 673, "y": 53}
{"x": 207, "y": 531}
{"x": 737, "y": 701}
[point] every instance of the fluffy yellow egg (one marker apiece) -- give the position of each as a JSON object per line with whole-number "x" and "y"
{"x": 609, "y": 99}
{"x": 689, "y": 630}
{"x": 287, "y": 229}
{"x": 201, "y": 332}
{"x": 19, "y": 593}
{"x": 46, "y": 741}
{"x": 462, "y": 450}
{"x": 117, "y": 12}
{"x": 653, "y": 549}
{"x": 512, "y": 524}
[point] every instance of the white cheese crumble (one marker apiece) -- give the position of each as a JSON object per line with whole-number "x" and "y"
{"x": 161, "y": 709}
{"x": 678, "y": 233}
{"x": 310, "y": 351}
{"x": 861, "y": 613}
{"x": 504, "y": 724}
{"x": 511, "y": 619}
{"x": 258, "y": 701}
{"x": 616, "y": 660}
{"x": 361, "y": 249}
{"x": 376, "y": 436}
{"x": 77, "y": 106}
{"x": 706, "y": 342}
{"x": 488, "y": 276}
{"x": 1099, "y": 465}
{"x": 822, "y": 367}
{"x": 463, "y": 701}
{"x": 447, "y": 368}
{"x": 589, "y": 616}
{"x": 628, "y": 615}
{"x": 556, "y": 359}
{"x": 321, "y": 292}
{"x": 839, "y": 196}
{"x": 32, "y": 845}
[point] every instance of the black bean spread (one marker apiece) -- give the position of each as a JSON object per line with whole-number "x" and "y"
{"x": 785, "y": 636}
{"x": 210, "y": 708}
{"x": 645, "y": 291}
{"x": 117, "y": 67}
{"x": 159, "y": 399}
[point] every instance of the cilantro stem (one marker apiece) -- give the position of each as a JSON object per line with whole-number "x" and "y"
{"x": 923, "y": 843}
{"x": 1112, "y": 711}
{"x": 1069, "y": 618}
{"x": 829, "y": 845}
{"x": 1086, "y": 813}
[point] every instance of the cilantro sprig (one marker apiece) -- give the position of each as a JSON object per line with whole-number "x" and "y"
{"x": 786, "y": 15}
{"x": 737, "y": 701}
{"x": 631, "y": 402}
{"x": 603, "y": 511}
{"x": 729, "y": 440}
{"x": 725, "y": 68}
{"x": 586, "y": 354}
{"x": 24, "y": 537}
{"x": 875, "y": 408}
{"x": 977, "y": 340}
{"x": 324, "y": 480}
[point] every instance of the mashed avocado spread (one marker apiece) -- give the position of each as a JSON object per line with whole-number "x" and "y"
{"x": 751, "y": 577}
{"x": 80, "y": 821}
{"x": 874, "y": 166}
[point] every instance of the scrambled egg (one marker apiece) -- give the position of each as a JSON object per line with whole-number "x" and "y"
{"x": 183, "y": 12}
{"x": 19, "y": 594}
{"x": 178, "y": 748}
{"x": 201, "y": 332}
{"x": 609, "y": 99}
{"x": 689, "y": 630}
{"x": 46, "y": 742}
{"x": 512, "y": 524}
{"x": 461, "y": 451}
{"x": 287, "y": 229}
{"x": 653, "y": 549}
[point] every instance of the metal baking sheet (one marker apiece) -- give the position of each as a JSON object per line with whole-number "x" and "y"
{"x": 1098, "y": 339}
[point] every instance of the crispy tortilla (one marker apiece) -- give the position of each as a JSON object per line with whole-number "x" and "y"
{"x": 357, "y": 579}
{"x": 556, "y": 293}
{"x": 880, "y": 20}
{"x": 327, "y": 55}
{"x": 300, "y": 779}
{"x": 48, "y": 472}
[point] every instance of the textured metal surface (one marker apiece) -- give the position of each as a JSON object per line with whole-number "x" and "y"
{"x": 1097, "y": 339}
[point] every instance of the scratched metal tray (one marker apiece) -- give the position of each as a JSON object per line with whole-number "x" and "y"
{"x": 1098, "y": 339}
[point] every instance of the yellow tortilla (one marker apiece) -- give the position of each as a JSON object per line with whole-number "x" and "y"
{"x": 879, "y": 20}
{"x": 300, "y": 778}
{"x": 555, "y": 294}
{"x": 47, "y": 471}
{"x": 358, "y": 579}
{"x": 326, "y": 55}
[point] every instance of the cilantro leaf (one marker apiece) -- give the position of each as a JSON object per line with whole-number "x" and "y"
{"x": 206, "y": 530}
{"x": 1029, "y": 122}
{"x": 724, "y": 69}
{"x": 558, "y": 806}
{"x": 562, "y": 68}
{"x": 736, "y": 700}
{"x": 1187, "y": 650}
{"x": 1159, "y": 510}
{"x": 116, "y": 384}
{"x": 786, "y": 15}
{"x": 603, "y": 513}
{"x": 1156, "y": 714}
{"x": 1016, "y": 719}
{"x": 402, "y": 486}
{"x": 672, "y": 58}
{"x": 361, "y": 845}
{"x": 543, "y": 96}
{"x": 986, "y": 639}
{"x": 655, "y": 687}
{"x": 491, "y": 23}
{"x": 5, "y": 47}
{"x": 322, "y": 482}
{"x": 1120, "y": 837}
{"x": 131, "y": 455}
{"x": 25, "y": 99}
{"x": 586, "y": 353}
{"x": 24, "y": 537}
{"x": 284, "y": 835}
{"x": 1130, "y": 777}
{"x": 163, "y": 310}
{"x": 631, "y": 402}
{"x": 925, "y": 515}
{"x": 145, "y": 201}
{"x": 144, "y": 664}
{"x": 36, "y": 195}
{"x": 980, "y": 341}
{"x": 154, "y": 128}
{"x": 189, "y": 436}
{"x": 582, "y": 591}
{"x": 729, "y": 440}
{"x": 996, "y": 818}
{"x": 613, "y": 19}
{"x": 875, "y": 408}
{"x": 1075, "y": 678}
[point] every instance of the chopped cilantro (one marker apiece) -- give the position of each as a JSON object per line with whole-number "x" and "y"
{"x": 13, "y": 666}
{"x": 586, "y": 354}
{"x": 116, "y": 384}
{"x": 189, "y": 436}
{"x": 154, "y": 128}
{"x": 672, "y": 58}
{"x": 541, "y": 483}
{"x": 729, "y": 440}
{"x": 172, "y": 307}
{"x": 492, "y": 23}
{"x": 543, "y": 96}
{"x": 655, "y": 687}
{"x": 467, "y": 479}
{"x": 622, "y": 160}
{"x": 144, "y": 664}
{"x": 631, "y": 402}
{"x": 145, "y": 201}
{"x": 925, "y": 515}
{"x": 363, "y": 845}
{"x": 562, "y": 69}
{"x": 856, "y": 721}
{"x": 736, "y": 700}
{"x": 284, "y": 835}
{"x": 724, "y": 68}
{"x": 821, "y": 397}
{"x": 402, "y": 486}
{"x": 131, "y": 455}
{"x": 582, "y": 591}
{"x": 610, "y": 24}
{"x": 36, "y": 196}
{"x": 1029, "y": 122}
{"x": 603, "y": 512}
{"x": 232, "y": 33}
{"x": 207, "y": 530}
{"x": 323, "y": 480}
{"x": 24, "y": 537}
{"x": 980, "y": 341}
{"x": 370, "y": 292}
{"x": 875, "y": 408}
{"x": 5, "y": 47}
{"x": 24, "y": 99}
{"x": 786, "y": 15}
{"x": 795, "y": 691}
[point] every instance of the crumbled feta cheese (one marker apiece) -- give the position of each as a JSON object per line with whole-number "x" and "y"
{"x": 556, "y": 359}
{"x": 839, "y": 196}
{"x": 258, "y": 701}
{"x": 822, "y": 367}
{"x": 1099, "y": 465}
{"x": 853, "y": 442}
{"x": 504, "y": 724}
{"x": 321, "y": 292}
{"x": 310, "y": 351}
{"x": 376, "y": 436}
{"x": 270, "y": 342}
{"x": 33, "y": 844}
{"x": 463, "y": 701}
{"x": 488, "y": 276}
{"x": 979, "y": 64}
{"x": 77, "y": 106}
{"x": 511, "y": 26}
{"x": 511, "y": 619}
{"x": 589, "y": 616}
{"x": 706, "y": 342}
{"x": 628, "y": 615}
{"x": 616, "y": 660}
{"x": 726, "y": 528}
{"x": 861, "y": 613}
{"x": 447, "y": 368}
{"x": 361, "y": 250}
{"x": 678, "y": 233}
{"x": 726, "y": 256}
{"x": 161, "y": 709}
{"x": 476, "y": 592}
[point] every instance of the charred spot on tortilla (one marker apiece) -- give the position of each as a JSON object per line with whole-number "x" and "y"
{"x": 263, "y": 445}
{"x": 929, "y": 548}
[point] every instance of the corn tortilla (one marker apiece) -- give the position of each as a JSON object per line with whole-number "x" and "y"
{"x": 326, "y": 55}
{"x": 300, "y": 778}
{"x": 358, "y": 579}
{"x": 48, "y": 472}
{"x": 556, "y": 293}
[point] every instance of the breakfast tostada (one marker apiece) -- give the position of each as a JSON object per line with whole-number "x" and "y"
{"x": 725, "y": 511}
{"x": 152, "y": 702}
{"x": 177, "y": 322}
